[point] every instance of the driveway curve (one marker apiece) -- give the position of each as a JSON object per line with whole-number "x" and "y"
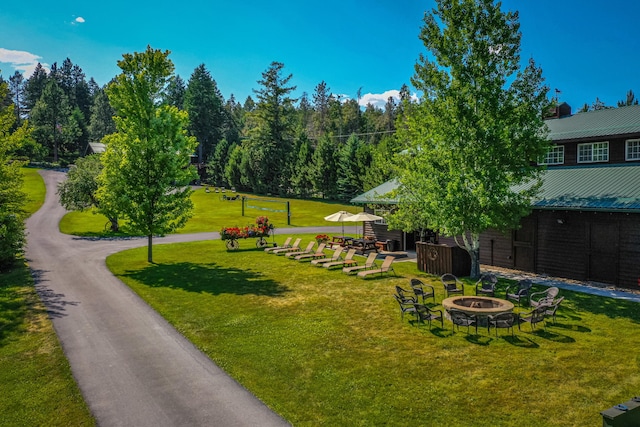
{"x": 133, "y": 368}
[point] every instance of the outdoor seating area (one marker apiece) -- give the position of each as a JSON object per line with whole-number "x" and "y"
{"x": 337, "y": 255}
{"x": 488, "y": 307}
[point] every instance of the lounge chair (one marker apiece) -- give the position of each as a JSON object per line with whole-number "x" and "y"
{"x": 286, "y": 244}
{"x": 336, "y": 256}
{"x": 292, "y": 248}
{"x": 307, "y": 250}
{"x": 369, "y": 264}
{"x": 384, "y": 268}
{"x": 319, "y": 253}
{"x": 348, "y": 260}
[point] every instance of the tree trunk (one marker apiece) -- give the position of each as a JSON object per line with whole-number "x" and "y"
{"x": 150, "y": 248}
{"x": 114, "y": 224}
{"x": 475, "y": 263}
{"x": 472, "y": 246}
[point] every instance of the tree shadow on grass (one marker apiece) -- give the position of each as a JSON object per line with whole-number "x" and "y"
{"x": 207, "y": 278}
{"x": 17, "y": 303}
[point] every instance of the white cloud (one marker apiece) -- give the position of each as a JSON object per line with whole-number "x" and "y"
{"x": 20, "y": 60}
{"x": 80, "y": 20}
{"x": 380, "y": 99}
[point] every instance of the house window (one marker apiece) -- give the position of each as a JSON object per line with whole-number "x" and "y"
{"x": 633, "y": 149}
{"x": 383, "y": 213}
{"x": 593, "y": 152}
{"x": 555, "y": 156}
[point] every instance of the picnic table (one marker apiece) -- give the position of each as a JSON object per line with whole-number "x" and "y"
{"x": 340, "y": 241}
{"x": 363, "y": 245}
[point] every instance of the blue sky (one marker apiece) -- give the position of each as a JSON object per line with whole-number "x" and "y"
{"x": 586, "y": 48}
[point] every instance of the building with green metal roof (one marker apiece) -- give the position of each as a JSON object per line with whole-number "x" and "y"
{"x": 585, "y": 222}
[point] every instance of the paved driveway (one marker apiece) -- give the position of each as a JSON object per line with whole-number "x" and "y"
{"x": 133, "y": 368}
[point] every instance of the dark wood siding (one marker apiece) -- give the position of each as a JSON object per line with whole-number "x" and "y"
{"x": 617, "y": 150}
{"x": 496, "y": 248}
{"x": 561, "y": 249}
{"x": 596, "y": 246}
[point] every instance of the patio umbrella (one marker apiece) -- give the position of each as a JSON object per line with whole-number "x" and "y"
{"x": 339, "y": 216}
{"x": 363, "y": 216}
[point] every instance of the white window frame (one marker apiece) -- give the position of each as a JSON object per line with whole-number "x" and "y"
{"x": 382, "y": 213}
{"x": 635, "y": 151}
{"x": 554, "y": 156}
{"x": 598, "y": 152}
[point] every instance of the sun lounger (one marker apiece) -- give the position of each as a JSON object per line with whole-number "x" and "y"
{"x": 317, "y": 254}
{"x": 308, "y": 250}
{"x": 369, "y": 264}
{"x": 348, "y": 260}
{"x": 385, "y": 268}
{"x": 286, "y": 244}
{"x": 335, "y": 257}
{"x": 294, "y": 247}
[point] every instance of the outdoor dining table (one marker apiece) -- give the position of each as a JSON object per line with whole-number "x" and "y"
{"x": 364, "y": 244}
{"x": 341, "y": 240}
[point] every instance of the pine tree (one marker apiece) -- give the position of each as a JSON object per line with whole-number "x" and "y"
{"x": 271, "y": 136}
{"x": 204, "y": 103}
{"x": 176, "y": 92}
{"x": 16, "y": 87}
{"x": 101, "y": 122}
{"x": 34, "y": 86}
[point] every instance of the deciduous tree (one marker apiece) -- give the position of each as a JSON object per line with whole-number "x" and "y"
{"x": 478, "y": 130}
{"x": 79, "y": 191}
{"x": 12, "y": 198}
{"x": 146, "y": 163}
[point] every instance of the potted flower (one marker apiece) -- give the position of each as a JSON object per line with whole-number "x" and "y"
{"x": 322, "y": 238}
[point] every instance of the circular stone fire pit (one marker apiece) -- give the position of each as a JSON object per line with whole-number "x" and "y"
{"x": 479, "y": 306}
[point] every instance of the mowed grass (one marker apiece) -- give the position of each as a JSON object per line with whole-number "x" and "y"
{"x": 37, "y": 386}
{"x": 211, "y": 213}
{"x": 323, "y": 348}
{"x": 35, "y": 189}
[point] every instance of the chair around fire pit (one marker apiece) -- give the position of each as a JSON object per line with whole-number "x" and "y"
{"x": 420, "y": 291}
{"x": 452, "y": 286}
{"x": 533, "y": 317}
{"x": 486, "y": 285}
{"x": 502, "y": 320}
{"x": 519, "y": 291}
{"x": 460, "y": 318}
{"x": 428, "y": 314}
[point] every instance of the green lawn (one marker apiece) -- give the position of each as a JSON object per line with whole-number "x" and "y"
{"x": 36, "y": 382}
{"x": 35, "y": 189}
{"x": 322, "y": 348}
{"x": 211, "y": 214}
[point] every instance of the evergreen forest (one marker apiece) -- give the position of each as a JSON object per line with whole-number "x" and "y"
{"x": 316, "y": 145}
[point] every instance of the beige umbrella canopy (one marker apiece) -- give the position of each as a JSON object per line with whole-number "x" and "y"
{"x": 339, "y": 216}
{"x": 363, "y": 216}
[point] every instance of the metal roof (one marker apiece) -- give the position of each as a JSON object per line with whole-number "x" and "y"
{"x": 612, "y": 188}
{"x": 379, "y": 194}
{"x": 605, "y": 187}
{"x": 593, "y": 124}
